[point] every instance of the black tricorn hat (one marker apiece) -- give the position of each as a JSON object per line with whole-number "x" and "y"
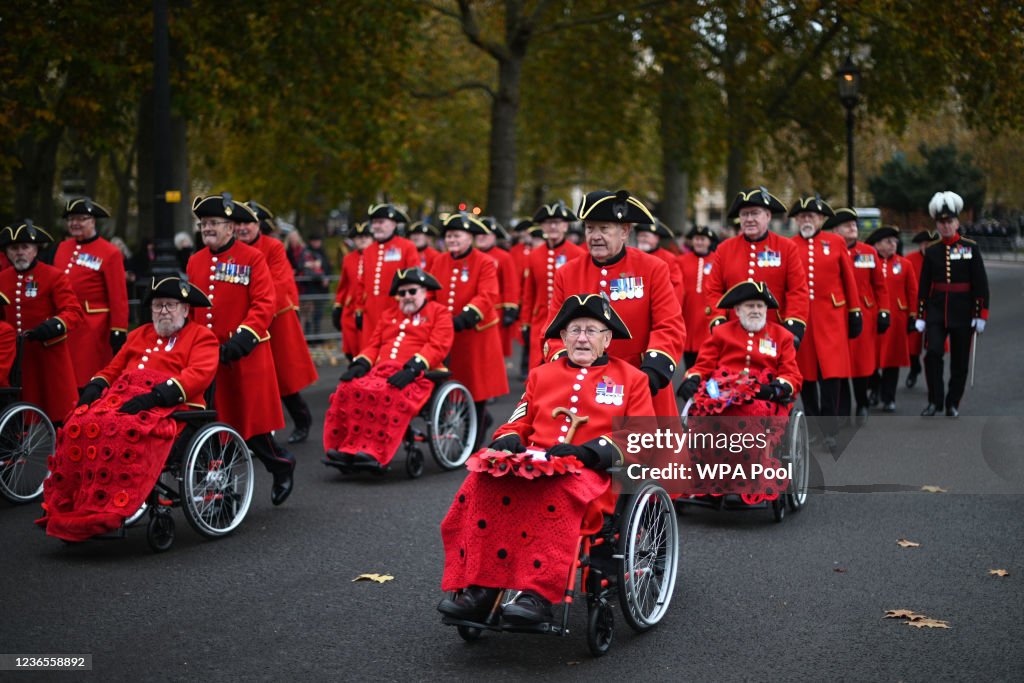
{"x": 389, "y": 211}
{"x": 177, "y": 289}
{"x": 265, "y": 216}
{"x": 843, "y": 215}
{"x": 881, "y": 233}
{"x": 223, "y": 206}
{"x": 812, "y": 204}
{"x": 464, "y": 221}
{"x": 658, "y": 228}
{"x": 593, "y": 306}
{"x": 925, "y": 236}
{"x": 492, "y": 224}
{"x": 84, "y": 205}
{"x": 536, "y": 231}
{"x": 759, "y": 197}
{"x": 556, "y": 210}
{"x": 747, "y": 291}
{"x": 24, "y": 233}
{"x": 413, "y": 276}
{"x": 702, "y": 231}
{"x": 523, "y": 225}
{"x": 360, "y": 230}
{"x": 614, "y": 207}
{"x": 424, "y": 228}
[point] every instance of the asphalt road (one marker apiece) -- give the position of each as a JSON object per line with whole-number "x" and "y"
{"x": 801, "y": 600}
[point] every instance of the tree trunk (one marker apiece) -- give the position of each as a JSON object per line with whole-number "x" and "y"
{"x": 181, "y": 213}
{"x": 501, "y": 188}
{"x": 676, "y": 188}
{"x": 676, "y": 145}
{"x": 736, "y": 169}
{"x": 33, "y": 182}
{"x": 144, "y": 187}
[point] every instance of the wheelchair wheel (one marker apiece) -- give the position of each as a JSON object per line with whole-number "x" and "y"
{"x": 160, "y": 531}
{"x": 27, "y": 440}
{"x": 600, "y": 628}
{"x": 649, "y": 557}
{"x": 414, "y": 463}
{"x": 779, "y": 508}
{"x": 137, "y": 515}
{"x": 216, "y": 480}
{"x": 799, "y": 453}
{"x": 452, "y": 425}
{"x": 469, "y": 634}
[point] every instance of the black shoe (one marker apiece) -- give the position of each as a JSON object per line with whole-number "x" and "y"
{"x": 873, "y": 399}
{"x": 339, "y": 457}
{"x": 952, "y": 411}
{"x": 529, "y": 608}
{"x": 299, "y": 434}
{"x": 911, "y": 380}
{"x": 930, "y": 410}
{"x": 889, "y": 407}
{"x": 862, "y": 416}
{"x": 283, "y": 484}
{"x": 472, "y": 604}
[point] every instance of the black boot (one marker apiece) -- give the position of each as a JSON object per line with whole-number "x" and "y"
{"x": 472, "y": 604}
{"x": 301, "y": 415}
{"x": 529, "y": 608}
{"x": 930, "y": 410}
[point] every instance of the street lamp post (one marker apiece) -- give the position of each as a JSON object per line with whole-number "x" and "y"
{"x": 163, "y": 229}
{"x": 848, "y": 78}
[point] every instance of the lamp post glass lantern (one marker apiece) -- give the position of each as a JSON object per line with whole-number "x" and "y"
{"x": 848, "y": 79}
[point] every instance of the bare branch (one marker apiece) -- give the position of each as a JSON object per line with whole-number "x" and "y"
{"x": 811, "y": 58}
{"x": 441, "y": 10}
{"x": 472, "y": 31}
{"x": 598, "y": 18}
{"x": 441, "y": 94}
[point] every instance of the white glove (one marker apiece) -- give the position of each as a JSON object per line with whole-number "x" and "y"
{"x": 919, "y": 325}
{"x": 978, "y": 324}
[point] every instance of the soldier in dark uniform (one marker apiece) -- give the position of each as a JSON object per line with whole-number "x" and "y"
{"x": 952, "y": 302}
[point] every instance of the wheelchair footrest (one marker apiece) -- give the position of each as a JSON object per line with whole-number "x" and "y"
{"x": 500, "y": 626}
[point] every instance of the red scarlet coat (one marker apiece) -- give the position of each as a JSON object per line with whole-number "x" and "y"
{"x": 640, "y": 290}
{"x": 8, "y": 346}
{"x": 352, "y": 299}
{"x": 901, "y": 282}
{"x": 732, "y": 347}
{"x": 292, "y": 362}
{"x": 427, "y": 255}
{"x": 874, "y": 297}
{"x": 696, "y": 313}
{"x": 509, "y": 286}
{"x": 382, "y": 259}
{"x": 471, "y": 282}
{"x": 832, "y": 290}
{"x": 47, "y": 373}
{"x": 773, "y": 259}
{"x": 426, "y": 335}
{"x": 914, "y": 339}
{"x": 247, "y": 397}
{"x": 539, "y": 289}
{"x": 95, "y": 268}
{"x": 188, "y": 357}
{"x": 674, "y": 271}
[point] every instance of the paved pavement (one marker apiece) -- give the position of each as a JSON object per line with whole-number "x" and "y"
{"x": 801, "y": 600}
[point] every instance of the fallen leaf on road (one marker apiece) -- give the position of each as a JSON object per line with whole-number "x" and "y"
{"x": 839, "y": 570}
{"x": 379, "y": 578}
{"x": 903, "y": 614}
{"x": 933, "y": 489}
{"x": 904, "y": 543}
{"x": 998, "y": 572}
{"x": 928, "y": 623}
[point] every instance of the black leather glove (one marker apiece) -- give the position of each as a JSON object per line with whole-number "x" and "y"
{"x": 168, "y": 394}
{"x": 798, "y": 329}
{"x": 139, "y": 403}
{"x": 238, "y": 346}
{"x": 855, "y": 323}
{"x": 117, "y": 340}
{"x": 654, "y": 380}
{"x": 911, "y": 325}
{"x": 359, "y": 320}
{"x": 357, "y": 369}
{"x": 583, "y": 454}
{"x": 402, "y": 378}
{"x": 465, "y": 320}
{"x": 509, "y": 316}
{"x": 688, "y": 388}
{"x": 91, "y": 391}
{"x": 509, "y": 442}
{"x": 883, "y": 322}
{"x": 336, "y": 317}
{"x": 50, "y": 328}
{"x": 774, "y": 391}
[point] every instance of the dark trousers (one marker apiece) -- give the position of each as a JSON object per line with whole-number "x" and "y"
{"x": 821, "y": 400}
{"x": 481, "y": 423}
{"x": 887, "y": 381}
{"x": 915, "y": 365}
{"x": 273, "y": 457}
{"x": 689, "y": 359}
{"x": 297, "y": 407}
{"x": 959, "y": 358}
{"x": 860, "y": 394}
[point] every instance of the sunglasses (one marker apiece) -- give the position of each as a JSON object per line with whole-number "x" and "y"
{"x": 408, "y": 292}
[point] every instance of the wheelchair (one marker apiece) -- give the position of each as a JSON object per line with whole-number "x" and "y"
{"x": 794, "y": 449}
{"x": 447, "y": 424}
{"x": 632, "y": 560}
{"x": 209, "y": 474}
{"x": 27, "y": 440}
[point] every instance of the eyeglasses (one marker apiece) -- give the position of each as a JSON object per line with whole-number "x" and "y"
{"x": 589, "y": 332}
{"x": 173, "y": 306}
{"x": 408, "y": 292}
{"x": 210, "y": 224}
